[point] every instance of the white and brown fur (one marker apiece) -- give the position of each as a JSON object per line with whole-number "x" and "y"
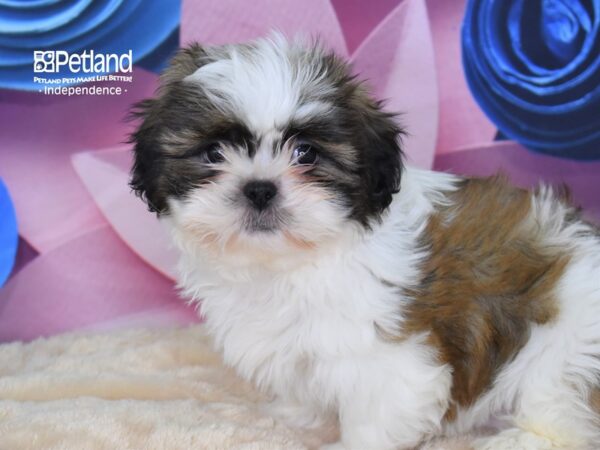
{"x": 407, "y": 303}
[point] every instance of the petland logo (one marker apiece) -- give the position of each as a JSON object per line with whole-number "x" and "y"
{"x": 58, "y": 72}
{"x": 52, "y": 61}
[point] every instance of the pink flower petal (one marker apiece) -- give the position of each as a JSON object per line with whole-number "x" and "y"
{"x": 357, "y": 18}
{"x": 462, "y": 122}
{"x": 25, "y": 254}
{"x": 527, "y": 169}
{"x": 228, "y": 21}
{"x": 398, "y": 61}
{"x": 39, "y": 133}
{"x": 89, "y": 280}
{"x": 106, "y": 175}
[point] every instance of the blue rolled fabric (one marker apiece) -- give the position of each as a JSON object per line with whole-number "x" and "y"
{"x": 108, "y": 26}
{"x": 8, "y": 234}
{"x": 159, "y": 59}
{"x": 534, "y": 68}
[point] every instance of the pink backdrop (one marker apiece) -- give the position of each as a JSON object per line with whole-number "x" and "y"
{"x": 91, "y": 256}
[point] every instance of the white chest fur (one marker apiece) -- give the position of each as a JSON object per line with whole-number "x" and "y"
{"x": 280, "y": 328}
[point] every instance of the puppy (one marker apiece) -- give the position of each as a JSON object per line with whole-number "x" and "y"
{"x": 407, "y": 303}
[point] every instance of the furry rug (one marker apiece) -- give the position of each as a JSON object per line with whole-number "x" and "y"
{"x": 136, "y": 389}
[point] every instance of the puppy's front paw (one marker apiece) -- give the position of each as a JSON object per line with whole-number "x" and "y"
{"x": 514, "y": 439}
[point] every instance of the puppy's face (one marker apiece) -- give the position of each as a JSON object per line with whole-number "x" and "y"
{"x": 264, "y": 149}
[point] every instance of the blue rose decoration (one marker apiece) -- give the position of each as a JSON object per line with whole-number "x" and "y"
{"x": 8, "y": 234}
{"x": 534, "y": 68}
{"x": 148, "y": 28}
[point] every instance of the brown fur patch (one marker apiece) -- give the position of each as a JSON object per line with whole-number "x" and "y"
{"x": 488, "y": 277}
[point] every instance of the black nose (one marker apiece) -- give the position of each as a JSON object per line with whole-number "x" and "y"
{"x": 260, "y": 193}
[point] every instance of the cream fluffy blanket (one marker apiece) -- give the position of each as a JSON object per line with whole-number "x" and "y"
{"x": 136, "y": 389}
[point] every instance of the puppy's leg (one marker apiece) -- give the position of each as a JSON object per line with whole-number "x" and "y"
{"x": 514, "y": 439}
{"x": 548, "y": 418}
{"x": 392, "y": 403}
{"x": 384, "y": 424}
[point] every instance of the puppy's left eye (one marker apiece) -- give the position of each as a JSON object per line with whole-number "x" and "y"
{"x": 304, "y": 154}
{"x": 213, "y": 154}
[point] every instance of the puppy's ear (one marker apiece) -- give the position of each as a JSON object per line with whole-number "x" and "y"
{"x": 154, "y": 116}
{"x": 144, "y": 172}
{"x": 185, "y": 62}
{"x": 380, "y": 153}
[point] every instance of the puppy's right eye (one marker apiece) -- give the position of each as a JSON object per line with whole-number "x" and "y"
{"x": 213, "y": 154}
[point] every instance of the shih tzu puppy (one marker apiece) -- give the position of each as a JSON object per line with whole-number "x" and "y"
{"x": 405, "y": 302}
